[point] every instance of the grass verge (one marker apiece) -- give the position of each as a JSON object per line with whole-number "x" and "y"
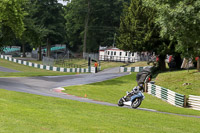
{"x": 112, "y": 90}
{"x": 175, "y": 81}
{"x": 21, "y": 112}
{"x": 139, "y": 64}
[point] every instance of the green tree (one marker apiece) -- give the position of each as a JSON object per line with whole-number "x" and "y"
{"x": 179, "y": 20}
{"x": 102, "y": 18}
{"x": 75, "y": 16}
{"x": 49, "y": 15}
{"x": 11, "y": 20}
{"x": 34, "y": 33}
{"x": 138, "y": 31}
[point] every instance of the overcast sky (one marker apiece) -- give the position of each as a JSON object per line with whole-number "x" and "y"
{"x": 63, "y": 2}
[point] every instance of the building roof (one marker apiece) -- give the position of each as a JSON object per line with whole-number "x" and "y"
{"x": 108, "y": 48}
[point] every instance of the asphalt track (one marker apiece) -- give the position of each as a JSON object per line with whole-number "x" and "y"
{"x": 3, "y": 69}
{"x": 46, "y": 86}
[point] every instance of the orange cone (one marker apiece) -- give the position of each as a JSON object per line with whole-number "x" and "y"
{"x": 85, "y": 95}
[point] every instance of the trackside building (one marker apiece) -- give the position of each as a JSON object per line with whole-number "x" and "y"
{"x": 115, "y": 54}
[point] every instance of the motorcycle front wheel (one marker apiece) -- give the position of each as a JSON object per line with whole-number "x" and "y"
{"x": 120, "y": 102}
{"x": 136, "y": 103}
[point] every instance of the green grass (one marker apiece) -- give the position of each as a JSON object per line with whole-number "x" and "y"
{"x": 107, "y": 64}
{"x": 118, "y": 64}
{"x": 78, "y": 61}
{"x": 104, "y": 65}
{"x": 112, "y": 90}
{"x": 175, "y": 80}
{"x": 27, "y": 113}
{"x": 69, "y": 63}
{"x": 139, "y": 64}
{"x": 26, "y": 71}
{"x": 36, "y": 61}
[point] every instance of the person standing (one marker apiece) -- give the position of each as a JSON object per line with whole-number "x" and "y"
{"x": 95, "y": 65}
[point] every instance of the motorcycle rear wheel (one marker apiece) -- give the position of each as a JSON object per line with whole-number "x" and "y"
{"x": 136, "y": 103}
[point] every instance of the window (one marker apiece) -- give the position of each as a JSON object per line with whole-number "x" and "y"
{"x": 115, "y": 53}
{"x": 108, "y": 52}
{"x": 111, "y": 52}
{"x": 126, "y": 53}
{"x": 120, "y": 54}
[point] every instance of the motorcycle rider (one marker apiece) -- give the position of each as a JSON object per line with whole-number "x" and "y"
{"x": 135, "y": 91}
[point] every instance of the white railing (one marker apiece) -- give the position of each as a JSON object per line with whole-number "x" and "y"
{"x": 167, "y": 95}
{"x": 194, "y": 102}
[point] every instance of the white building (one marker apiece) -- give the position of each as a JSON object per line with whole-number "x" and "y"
{"x": 115, "y": 54}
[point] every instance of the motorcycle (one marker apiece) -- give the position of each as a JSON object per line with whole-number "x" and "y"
{"x": 136, "y": 96}
{"x": 132, "y": 99}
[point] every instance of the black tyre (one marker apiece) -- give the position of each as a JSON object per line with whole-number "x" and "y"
{"x": 120, "y": 102}
{"x": 136, "y": 103}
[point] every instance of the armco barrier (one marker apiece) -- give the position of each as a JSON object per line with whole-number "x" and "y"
{"x": 59, "y": 69}
{"x": 167, "y": 95}
{"x": 131, "y": 69}
{"x": 194, "y": 102}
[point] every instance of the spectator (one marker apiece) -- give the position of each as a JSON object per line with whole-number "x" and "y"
{"x": 95, "y": 65}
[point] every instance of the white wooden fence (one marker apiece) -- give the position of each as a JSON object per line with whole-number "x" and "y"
{"x": 194, "y": 102}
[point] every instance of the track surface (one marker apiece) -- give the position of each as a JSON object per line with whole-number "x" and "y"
{"x": 3, "y": 69}
{"x": 46, "y": 85}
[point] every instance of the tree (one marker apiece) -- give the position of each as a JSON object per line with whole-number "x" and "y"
{"x": 138, "y": 31}
{"x": 100, "y": 19}
{"x": 75, "y": 13}
{"x": 34, "y": 33}
{"x": 179, "y": 19}
{"x": 49, "y": 15}
{"x": 11, "y": 20}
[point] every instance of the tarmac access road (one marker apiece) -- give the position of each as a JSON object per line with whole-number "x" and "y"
{"x": 3, "y": 69}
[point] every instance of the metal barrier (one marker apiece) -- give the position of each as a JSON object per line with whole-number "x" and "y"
{"x": 48, "y": 61}
{"x": 94, "y": 56}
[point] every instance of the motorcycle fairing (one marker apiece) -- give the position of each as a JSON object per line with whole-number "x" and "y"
{"x": 138, "y": 95}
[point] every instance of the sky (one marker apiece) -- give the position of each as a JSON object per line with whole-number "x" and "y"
{"x": 63, "y": 2}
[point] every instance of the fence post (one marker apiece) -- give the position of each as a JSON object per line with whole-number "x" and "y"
{"x": 185, "y": 101}
{"x": 146, "y": 87}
